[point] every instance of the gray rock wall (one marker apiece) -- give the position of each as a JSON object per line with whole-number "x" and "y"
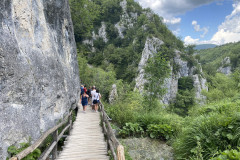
{"x": 39, "y": 76}
{"x": 152, "y": 46}
{"x": 226, "y": 66}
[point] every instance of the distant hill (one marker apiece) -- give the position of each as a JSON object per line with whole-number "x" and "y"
{"x": 211, "y": 59}
{"x": 205, "y": 46}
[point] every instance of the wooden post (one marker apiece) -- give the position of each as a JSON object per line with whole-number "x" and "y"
{"x": 55, "y": 138}
{"x": 70, "y": 122}
{"x": 14, "y": 158}
{"x": 120, "y": 152}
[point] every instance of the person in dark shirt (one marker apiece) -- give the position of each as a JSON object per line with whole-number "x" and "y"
{"x": 84, "y": 100}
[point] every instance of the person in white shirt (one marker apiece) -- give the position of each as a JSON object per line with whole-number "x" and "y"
{"x": 92, "y": 94}
{"x": 96, "y": 100}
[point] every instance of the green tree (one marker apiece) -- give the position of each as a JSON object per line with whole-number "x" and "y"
{"x": 156, "y": 70}
{"x": 84, "y": 13}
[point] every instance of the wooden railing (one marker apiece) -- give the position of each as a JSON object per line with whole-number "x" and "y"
{"x": 113, "y": 142}
{"x": 51, "y": 148}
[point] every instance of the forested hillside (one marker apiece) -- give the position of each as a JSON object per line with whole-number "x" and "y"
{"x": 161, "y": 89}
{"x": 212, "y": 59}
{"x": 117, "y": 34}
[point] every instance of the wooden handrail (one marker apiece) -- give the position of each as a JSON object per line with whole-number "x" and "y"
{"x": 53, "y": 146}
{"x": 113, "y": 142}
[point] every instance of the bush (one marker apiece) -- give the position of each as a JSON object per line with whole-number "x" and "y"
{"x": 160, "y": 118}
{"x": 131, "y": 129}
{"x": 220, "y": 87}
{"x": 212, "y": 133}
{"x": 161, "y": 131}
{"x": 232, "y": 154}
{"x": 126, "y": 109}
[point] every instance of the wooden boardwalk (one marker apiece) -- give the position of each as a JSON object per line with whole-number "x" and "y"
{"x": 86, "y": 140}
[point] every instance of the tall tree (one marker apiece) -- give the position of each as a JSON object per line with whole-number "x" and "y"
{"x": 157, "y": 70}
{"x": 84, "y": 13}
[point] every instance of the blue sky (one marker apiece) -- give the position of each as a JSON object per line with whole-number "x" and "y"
{"x": 200, "y": 21}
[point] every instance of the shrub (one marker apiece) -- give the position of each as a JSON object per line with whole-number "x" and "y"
{"x": 213, "y": 132}
{"x": 131, "y": 129}
{"x": 126, "y": 109}
{"x": 161, "y": 131}
{"x": 221, "y": 86}
{"x": 160, "y": 117}
{"x": 232, "y": 154}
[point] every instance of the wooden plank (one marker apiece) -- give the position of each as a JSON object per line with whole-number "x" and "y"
{"x": 86, "y": 140}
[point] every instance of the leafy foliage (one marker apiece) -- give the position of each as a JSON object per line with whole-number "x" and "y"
{"x": 220, "y": 87}
{"x": 185, "y": 98}
{"x": 232, "y": 154}
{"x": 131, "y": 129}
{"x": 84, "y": 13}
{"x": 162, "y": 131}
{"x": 210, "y": 130}
{"x": 156, "y": 70}
{"x": 126, "y": 109}
{"x": 13, "y": 150}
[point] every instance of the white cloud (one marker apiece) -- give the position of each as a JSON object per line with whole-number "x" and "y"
{"x": 172, "y": 8}
{"x": 229, "y": 30}
{"x": 197, "y": 28}
{"x": 190, "y": 40}
{"x": 172, "y": 21}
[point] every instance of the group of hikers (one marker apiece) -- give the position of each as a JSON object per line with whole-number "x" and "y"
{"x": 90, "y": 96}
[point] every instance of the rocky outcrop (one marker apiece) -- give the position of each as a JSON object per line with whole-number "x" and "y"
{"x": 146, "y": 148}
{"x": 101, "y": 34}
{"x": 171, "y": 83}
{"x": 126, "y": 21}
{"x": 226, "y": 66}
{"x": 113, "y": 94}
{"x": 39, "y": 75}
{"x": 199, "y": 84}
{"x": 151, "y": 47}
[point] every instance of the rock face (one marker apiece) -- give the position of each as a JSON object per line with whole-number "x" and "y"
{"x": 226, "y": 66}
{"x": 152, "y": 46}
{"x": 39, "y": 76}
{"x": 146, "y": 148}
{"x": 126, "y": 21}
{"x": 113, "y": 94}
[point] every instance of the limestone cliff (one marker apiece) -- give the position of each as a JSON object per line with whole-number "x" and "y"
{"x": 39, "y": 75}
{"x": 225, "y": 68}
{"x": 152, "y": 46}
